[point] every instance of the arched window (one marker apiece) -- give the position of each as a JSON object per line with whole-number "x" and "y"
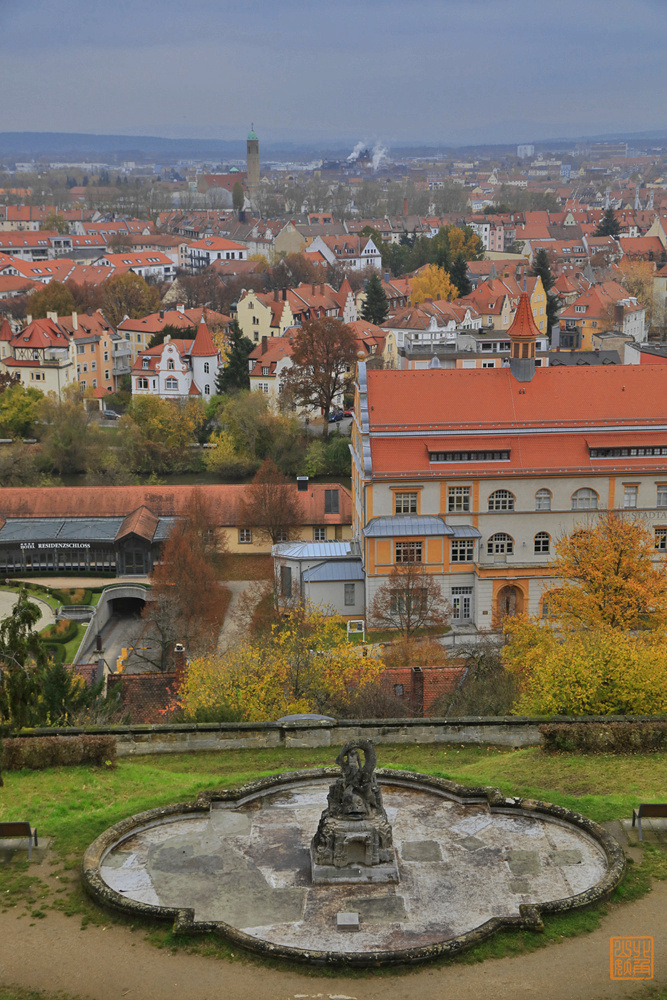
{"x": 543, "y": 500}
{"x": 170, "y": 365}
{"x": 207, "y": 390}
{"x": 171, "y": 384}
{"x": 500, "y": 544}
{"x": 585, "y": 499}
{"x": 501, "y": 500}
{"x": 207, "y": 368}
{"x": 542, "y": 542}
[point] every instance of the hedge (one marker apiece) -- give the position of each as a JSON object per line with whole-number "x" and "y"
{"x": 604, "y": 737}
{"x": 53, "y": 638}
{"x": 38, "y": 752}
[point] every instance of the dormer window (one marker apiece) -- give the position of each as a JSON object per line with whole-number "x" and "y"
{"x": 145, "y": 363}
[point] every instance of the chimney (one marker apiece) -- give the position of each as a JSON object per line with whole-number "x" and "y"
{"x": 75, "y": 321}
{"x": 180, "y": 307}
{"x": 53, "y": 316}
{"x": 276, "y": 295}
{"x": 265, "y": 344}
{"x": 321, "y": 289}
{"x": 417, "y": 693}
{"x": 161, "y": 313}
{"x": 313, "y": 289}
{"x": 284, "y": 295}
{"x": 180, "y": 663}
{"x": 167, "y": 339}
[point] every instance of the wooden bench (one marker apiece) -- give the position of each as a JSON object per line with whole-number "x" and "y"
{"x": 648, "y": 810}
{"x": 21, "y": 830}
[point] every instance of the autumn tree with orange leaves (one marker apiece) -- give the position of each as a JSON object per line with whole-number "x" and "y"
{"x": 601, "y": 647}
{"x": 187, "y": 603}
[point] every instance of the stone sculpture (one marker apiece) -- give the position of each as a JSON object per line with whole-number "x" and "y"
{"x": 353, "y": 842}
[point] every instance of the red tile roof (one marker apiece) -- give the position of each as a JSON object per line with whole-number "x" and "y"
{"x": 162, "y": 501}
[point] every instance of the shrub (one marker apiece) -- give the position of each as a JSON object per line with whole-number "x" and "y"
{"x": 604, "y": 737}
{"x": 61, "y": 632}
{"x": 37, "y": 752}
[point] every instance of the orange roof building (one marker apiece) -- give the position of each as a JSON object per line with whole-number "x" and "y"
{"x": 474, "y": 474}
{"x": 121, "y": 529}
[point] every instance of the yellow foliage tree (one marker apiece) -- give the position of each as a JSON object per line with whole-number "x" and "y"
{"x": 603, "y": 648}
{"x": 609, "y": 577}
{"x": 434, "y": 283}
{"x": 637, "y": 277}
{"x": 600, "y": 671}
{"x": 304, "y": 666}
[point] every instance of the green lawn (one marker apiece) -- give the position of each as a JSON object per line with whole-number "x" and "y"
{"x": 74, "y": 805}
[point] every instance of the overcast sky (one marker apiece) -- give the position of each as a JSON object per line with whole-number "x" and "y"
{"x": 392, "y": 71}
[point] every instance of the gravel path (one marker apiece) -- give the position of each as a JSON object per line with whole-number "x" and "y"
{"x": 8, "y": 600}
{"x": 112, "y": 962}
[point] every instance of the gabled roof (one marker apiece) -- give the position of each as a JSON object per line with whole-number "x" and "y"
{"x": 141, "y": 522}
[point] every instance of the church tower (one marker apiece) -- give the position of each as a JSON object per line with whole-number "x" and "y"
{"x": 252, "y": 163}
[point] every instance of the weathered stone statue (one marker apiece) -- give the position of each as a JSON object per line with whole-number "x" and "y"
{"x": 353, "y": 842}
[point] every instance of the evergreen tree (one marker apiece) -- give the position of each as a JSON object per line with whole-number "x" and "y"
{"x": 375, "y": 308}
{"x": 22, "y": 656}
{"x": 235, "y": 374}
{"x": 458, "y": 273}
{"x": 609, "y": 224}
{"x": 542, "y": 269}
{"x": 238, "y": 197}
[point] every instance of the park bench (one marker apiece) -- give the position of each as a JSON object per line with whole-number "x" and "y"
{"x": 22, "y": 830}
{"x": 648, "y": 810}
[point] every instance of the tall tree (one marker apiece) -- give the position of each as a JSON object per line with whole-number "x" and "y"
{"x": 54, "y": 297}
{"x": 72, "y": 441}
{"x": 128, "y": 295}
{"x": 19, "y": 410}
{"x": 237, "y": 196}
{"x": 271, "y": 506}
{"x": 22, "y": 655}
{"x": 375, "y": 307}
{"x": 55, "y": 222}
{"x": 601, "y": 647}
{"x": 609, "y": 577}
{"x": 609, "y": 224}
{"x": 458, "y": 273}
{"x": 541, "y": 268}
{"x": 186, "y": 600}
{"x": 324, "y": 354}
{"x": 235, "y": 374}
{"x": 410, "y": 599}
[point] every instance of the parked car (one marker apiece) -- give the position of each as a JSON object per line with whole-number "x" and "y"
{"x": 110, "y": 415}
{"x": 348, "y": 413}
{"x": 335, "y": 416}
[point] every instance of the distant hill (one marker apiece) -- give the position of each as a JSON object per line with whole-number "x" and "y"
{"x": 148, "y": 149}
{"x": 115, "y": 148}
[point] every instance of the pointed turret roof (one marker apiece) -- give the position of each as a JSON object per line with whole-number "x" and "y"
{"x": 6, "y": 330}
{"x": 523, "y": 324}
{"x": 202, "y": 345}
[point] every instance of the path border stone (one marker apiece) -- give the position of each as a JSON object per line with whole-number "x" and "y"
{"x": 530, "y": 915}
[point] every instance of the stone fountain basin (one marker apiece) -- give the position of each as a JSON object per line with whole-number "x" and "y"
{"x": 237, "y": 862}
